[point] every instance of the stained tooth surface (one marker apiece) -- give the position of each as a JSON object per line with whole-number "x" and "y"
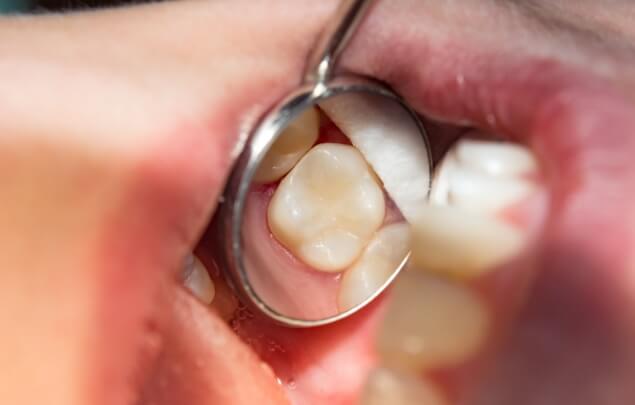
{"x": 391, "y": 143}
{"x": 431, "y": 322}
{"x": 464, "y": 244}
{"x": 197, "y": 280}
{"x": 327, "y": 208}
{"x": 290, "y": 146}
{"x": 389, "y": 387}
{"x": 483, "y": 176}
{"x": 496, "y": 158}
{"x": 385, "y": 252}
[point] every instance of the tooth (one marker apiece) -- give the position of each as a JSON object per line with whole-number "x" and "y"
{"x": 430, "y": 323}
{"x": 327, "y": 208}
{"x": 483, "y": 176}
{"x": 385, "y": 252}
{"x": 391, "y": 143}
{"x": 390, "y": 387}
{"x": 290, "y": 146}
{"x": 197, "y": 280}
{"x": 464, "y": 244}
{"x": 496, "y": 158}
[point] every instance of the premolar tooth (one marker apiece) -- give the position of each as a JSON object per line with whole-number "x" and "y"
{"x": 464, "y": 244}
{"x": 290, "y": 146}
{"x": 197, "y": 280}
{"x": 390, "y": 387}
{"x": 390, "y": 141}
{"x": 328, "y": 207}
{"x": 496, "y": 158}
{"x": 385, "y": 252}
{"x": 431, "y": 323}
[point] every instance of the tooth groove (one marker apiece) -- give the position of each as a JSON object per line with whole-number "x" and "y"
{"x": 385, "y": 252}
{"x": 327, "y": 208}
{"x": 431, "y": 323}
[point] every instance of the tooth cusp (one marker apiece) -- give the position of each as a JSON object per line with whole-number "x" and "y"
{"x": 327, "y": 208}
{"x": 383, "y": 255}
{"x": 197, "y": 280}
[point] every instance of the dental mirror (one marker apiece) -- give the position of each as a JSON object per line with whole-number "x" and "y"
{"x": 314, "y": 219}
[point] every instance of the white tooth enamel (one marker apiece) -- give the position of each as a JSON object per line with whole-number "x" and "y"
{"x": 390, "y": 387}
{"x": 483, "y": 176}
{"x": 385, "y": 252}
{"x": 391, "y": 143}
{"x": 197, "y": 280}
{"x": 496, "y": 158}
{"x": 290, "y": 146}
{"x": 431, "y": 323}
{"x": 465, "y": 244}
{"x": 328, "y": 207}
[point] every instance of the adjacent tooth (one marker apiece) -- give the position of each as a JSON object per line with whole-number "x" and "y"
{"x": 197, "y": 280}
{"x": 328, "y": 207}
{"x": 383, "y": 255}
{"x": 431, "y": 323}
{"x": 496, "y": 158}
{"x": 483, "y": 176}
{"x": 390, "y": 387}
{"x": 290, "y": 146}
{"x": 225, "y": 302}
{"x": 460, "y": 243}
{"x": 390, "y": 141}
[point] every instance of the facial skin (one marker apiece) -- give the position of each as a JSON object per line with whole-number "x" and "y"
{"x": 118, "y": 128}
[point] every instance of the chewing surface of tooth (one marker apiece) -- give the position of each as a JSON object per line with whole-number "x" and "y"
{"x": 496, "y": 158}
{"x": 383, "y": 255}
{"x": 391, "y": 143}
{"x": 290, "y": 146}
{"x": 431, "y": 323}
{"x": 327, "y": 208}
{"x": 483, "y": 176}
{"x": 390, "y": 387}
{"x": 463, "y": 244}
{"x": 198, "y": 281}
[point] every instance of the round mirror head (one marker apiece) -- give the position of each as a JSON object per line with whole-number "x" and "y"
{"x": 316, "y": 212}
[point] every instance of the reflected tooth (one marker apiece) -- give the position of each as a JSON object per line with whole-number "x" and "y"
{"x": 327, "y": 208}
{"x": 483, "y": 176}
{"x": 390, "y": 387}
{"x": 391, "y": 143}
{"x": 385, "y": 252}
{"x": 197, "y": 280}
{"x": 464, "y": 244}
{"x": 496, "y": 158}
{"x": 290, "y": 146}
{"x": 431, "y": 323}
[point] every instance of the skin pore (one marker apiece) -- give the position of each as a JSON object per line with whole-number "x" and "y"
{"x": 118, "y": 128}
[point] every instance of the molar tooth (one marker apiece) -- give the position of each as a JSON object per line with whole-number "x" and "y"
{"x": 483, "y": 176}
{"x": 464, "y": 244}
{"x": 390, "y": 387}
{"x": 496, "y": 158}
{"x": 290, "y": 146}
{"x": 197, "y": 280}
{"x": 327, "y": 208}
{"x": 225, "y": 302}
{"x": 385, "y": 252}
{"x": 431, "y": 323}
{"x": 391, "y": 143}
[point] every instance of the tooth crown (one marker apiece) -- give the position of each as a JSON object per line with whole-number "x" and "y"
{"x": 328, "y": 207}
{"x": 289, "y": 147}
